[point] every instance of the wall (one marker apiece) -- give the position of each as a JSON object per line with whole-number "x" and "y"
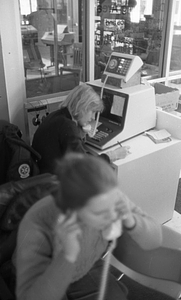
{"x": 12, "y": 88}
{"x": 4, "y": 112}
{"x": 39, "y": 109}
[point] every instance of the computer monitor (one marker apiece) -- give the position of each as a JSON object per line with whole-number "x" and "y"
{"x": 112, "y": 118}
{"x": 128, "y": 112}
{"x": 114, "y": 107}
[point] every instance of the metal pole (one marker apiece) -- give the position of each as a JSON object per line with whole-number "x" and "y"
{"x": 55, "y": 36}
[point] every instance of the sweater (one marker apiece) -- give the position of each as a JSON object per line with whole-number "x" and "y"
{"x": 57, "y": 135}
{"x": 43, "y": 276}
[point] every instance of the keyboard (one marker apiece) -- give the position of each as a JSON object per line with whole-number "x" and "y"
{"x": 100, "y": 135}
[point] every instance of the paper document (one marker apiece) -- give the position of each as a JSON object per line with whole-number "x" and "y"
{"x": 159, "y": 136}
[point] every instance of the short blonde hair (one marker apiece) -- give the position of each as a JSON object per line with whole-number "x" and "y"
{"x": 81, "y": 100}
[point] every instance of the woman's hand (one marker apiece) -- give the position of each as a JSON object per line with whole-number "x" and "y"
{"x": 118, "y": 153}
{"x": 125, "y": 212}
{"x": 121, "y": 152}
{"x": 67, "y": 233}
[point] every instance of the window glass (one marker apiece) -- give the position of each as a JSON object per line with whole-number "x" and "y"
{"x": 175, "y": 62}
{"x": 129, "y": 26}
{"x": 52, "y": 48}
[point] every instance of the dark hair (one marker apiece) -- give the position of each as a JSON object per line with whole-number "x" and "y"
{"x": 81, "y": 177}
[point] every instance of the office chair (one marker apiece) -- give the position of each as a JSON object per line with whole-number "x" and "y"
{"x": 32, "y": 59}
{"x": 158, "y": 269}
{"x": 76, "y": 67}
{"x": 16, "y": 197}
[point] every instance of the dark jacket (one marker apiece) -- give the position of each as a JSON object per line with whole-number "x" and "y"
{"x": 57, "y": 135}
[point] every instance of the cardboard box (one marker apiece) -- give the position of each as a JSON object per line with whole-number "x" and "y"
{"x": 166, "y": 97}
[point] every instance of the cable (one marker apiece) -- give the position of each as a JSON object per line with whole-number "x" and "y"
{"x": 106, "y": 270}
{"x": 103, "y": 86}
{"x": 93, "y": 131}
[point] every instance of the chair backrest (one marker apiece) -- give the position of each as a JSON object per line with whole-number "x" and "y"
{"x": 18, "y": 160}
{"x": 159, "y": 269}
{"x": 77, "y": 54}
{"x": 15, "y": 199}
{"x": 31, "y": 54}
{"x": 35, "y": 51}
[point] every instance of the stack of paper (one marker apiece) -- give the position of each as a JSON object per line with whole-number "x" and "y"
{"x": 159, "y": 136}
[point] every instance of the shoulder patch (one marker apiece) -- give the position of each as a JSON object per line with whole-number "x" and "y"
{"x": 24, "y": 170}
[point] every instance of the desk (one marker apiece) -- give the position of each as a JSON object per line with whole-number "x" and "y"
{"x": 150, "y": 175}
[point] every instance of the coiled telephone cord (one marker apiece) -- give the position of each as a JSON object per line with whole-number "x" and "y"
{"x": 106, "y": 270}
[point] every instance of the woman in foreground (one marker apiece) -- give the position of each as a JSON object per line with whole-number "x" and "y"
{"x": 62, "y": 238}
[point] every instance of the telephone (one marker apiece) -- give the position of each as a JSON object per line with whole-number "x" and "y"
{"x": 113, "y": 231}
{"x": 121, "y": 70}
{"x": 91, "y": 128}
{"x": 111, "y": 234}
{"x": 123, "y": 65}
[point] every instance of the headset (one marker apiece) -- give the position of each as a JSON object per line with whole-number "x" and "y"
{"x": 44, "y": 117}
{"x": 36, "y": 120}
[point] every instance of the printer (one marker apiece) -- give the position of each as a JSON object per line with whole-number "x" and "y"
{"x": 63, "y": 36}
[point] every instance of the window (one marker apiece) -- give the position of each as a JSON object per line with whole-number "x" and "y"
{"x": 128, "y": 26}
{"x": 175, "y": 59}
{"x": 175, "y": 63}
{"x": 50, "y": 31}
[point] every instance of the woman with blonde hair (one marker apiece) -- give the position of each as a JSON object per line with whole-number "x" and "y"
{"x": 64, "y": 130}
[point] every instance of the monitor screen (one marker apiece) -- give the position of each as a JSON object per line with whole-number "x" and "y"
{"x": 114, "y": 106}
